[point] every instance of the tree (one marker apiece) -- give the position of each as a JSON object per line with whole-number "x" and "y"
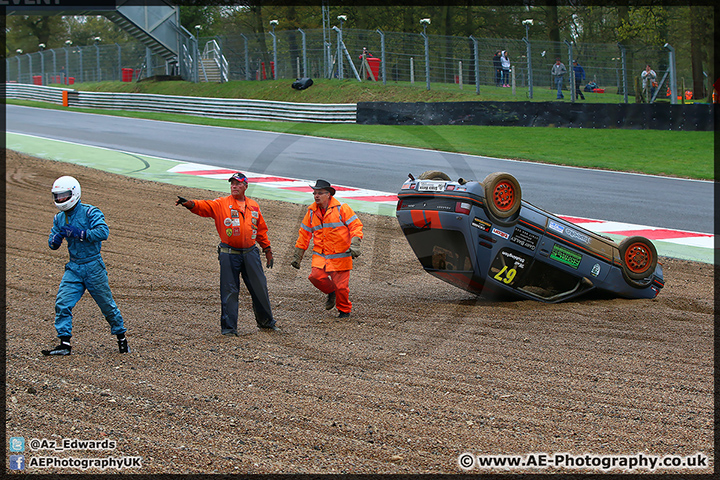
{"x": 700, "y": 24}
{"x": 207, "y": 17}
{"x": 26, "y": 32}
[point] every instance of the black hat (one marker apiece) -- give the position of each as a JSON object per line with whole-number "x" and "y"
{"x": 323, "y": 185}
{"x": 239, "y": 176}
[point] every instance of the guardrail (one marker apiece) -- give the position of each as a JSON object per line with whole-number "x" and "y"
{"x": 22, "y": 91}
{"x": 231, "y": 108}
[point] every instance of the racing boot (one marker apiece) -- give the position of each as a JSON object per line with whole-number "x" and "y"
{"x": 123, "y": 344}
{"x": 63, "y": 349}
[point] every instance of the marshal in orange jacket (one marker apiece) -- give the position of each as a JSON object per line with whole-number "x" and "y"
{"x": 238, "y": 225}
{"x": 331, "y": 235}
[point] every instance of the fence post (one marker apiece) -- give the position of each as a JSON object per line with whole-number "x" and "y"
{"x": 477, "y": 65}
{"x": 97, "y": 61}
{"x": 427, "y": 59}
{"x": 623, "y": 58}
{"x": 80, "y": 54}
{"x": 247, "y": 58}
{"x": 460, "y": 72}
{"x": 571, "y": 71}
{"x": 42, "y": 66}
{"x": 412, "y": 72}
{"x": 304, "y": 53}
{"x": 54, "y": 64}
{"x": 673, "y": 77}
{"x": 382, "y": 54}
{"x": 274, "y": 66}
{"x": 328, "y": 59}
{"x": 339, "y": 52}
{"x": 529, "y": 66}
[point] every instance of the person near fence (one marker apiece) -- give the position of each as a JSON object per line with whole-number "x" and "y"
{"x": 558, "y": 72}
{"x": 497, "y": 66}
{"x": 505, "y": 67}
{"x": 84, "y": 229}
{"x": 649, "y": 83}
{"x": 365, "y": 54}
{"x": 579, "y": 73}
{"x": 240, "y": 224}
{"x": 336, "y": 232}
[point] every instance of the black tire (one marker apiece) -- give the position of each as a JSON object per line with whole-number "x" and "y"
{"x": 502, "y": 195}
{"x": 434, "y": 175}
{"x": 638, "y": 256}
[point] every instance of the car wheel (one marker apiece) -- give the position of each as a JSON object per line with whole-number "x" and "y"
{"x": 434, "y": 175}
{"x": 639, "y": 257}
{"x": 502, "y": 194}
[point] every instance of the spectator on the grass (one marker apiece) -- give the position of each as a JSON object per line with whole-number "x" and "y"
{"x": 579, "y": 73}
{"x": 649, "y": 83}
{"x": 558, "y": 72}
{"x": 497, "y": 66}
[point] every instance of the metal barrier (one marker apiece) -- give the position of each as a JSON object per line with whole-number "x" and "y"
{"x": 231, "y": 108}
{"x": 23, "y": 91}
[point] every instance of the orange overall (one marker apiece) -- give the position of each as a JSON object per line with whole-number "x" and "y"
{"x": 331, "y": 233}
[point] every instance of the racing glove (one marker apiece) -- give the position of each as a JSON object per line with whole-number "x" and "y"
{"x": 297, "y": 258}
{"x": 354, "y": 249}
{"x": 269, "y": 257}
{"x": 74, "y": 232}
{"x": 55, "y": 241}
{"x": 189, "y": 204}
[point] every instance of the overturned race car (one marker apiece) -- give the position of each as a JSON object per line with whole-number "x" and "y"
{"x": 482, "y": 237}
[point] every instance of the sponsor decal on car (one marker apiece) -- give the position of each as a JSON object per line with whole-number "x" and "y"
{"x": 569, "y": 232}
{"x": 430, "y": 186}
{"x": 500, "y": 233}
{"x": 566, "y": 256}
{"x": 525, "y": 239}
{"x": 506, "y": 266}
{"x": 558, "y": 227}
{"x": 481, "y": 224}
{"x": 579, "y": 236}
{"x": 595, "y": 270}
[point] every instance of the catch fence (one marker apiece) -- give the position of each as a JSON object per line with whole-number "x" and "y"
{"x": 415, "y": 59}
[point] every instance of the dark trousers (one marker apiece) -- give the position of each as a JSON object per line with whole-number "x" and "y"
{"x": 578, "y": 91}
{"x": 245, "y": 264}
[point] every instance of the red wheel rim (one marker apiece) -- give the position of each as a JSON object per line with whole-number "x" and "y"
{"x": 637, "y": 257}
{"x": 504, "y": 196}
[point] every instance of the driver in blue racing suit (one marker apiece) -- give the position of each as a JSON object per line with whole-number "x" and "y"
{"x": 84, "y": 228}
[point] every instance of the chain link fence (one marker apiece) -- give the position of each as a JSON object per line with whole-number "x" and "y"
{"x": 416, "y": 59}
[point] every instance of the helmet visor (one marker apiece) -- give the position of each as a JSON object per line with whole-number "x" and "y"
{"x": 62, "y": 197}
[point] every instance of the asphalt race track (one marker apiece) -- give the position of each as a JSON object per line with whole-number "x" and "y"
{"x": 657, "y": 201}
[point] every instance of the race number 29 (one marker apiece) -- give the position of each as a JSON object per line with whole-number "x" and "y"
{"x": 506, "y": 275}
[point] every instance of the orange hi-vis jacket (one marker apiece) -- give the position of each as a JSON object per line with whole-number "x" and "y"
{"x": 331, "y": 235}
{"x": 238, "y": 225}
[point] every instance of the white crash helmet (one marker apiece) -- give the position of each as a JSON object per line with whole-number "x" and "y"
{"x": 66, "y": 192}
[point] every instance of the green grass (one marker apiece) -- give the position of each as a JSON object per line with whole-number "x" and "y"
{"x": 343, "y": 91}
{"x": 656, "y": 152}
